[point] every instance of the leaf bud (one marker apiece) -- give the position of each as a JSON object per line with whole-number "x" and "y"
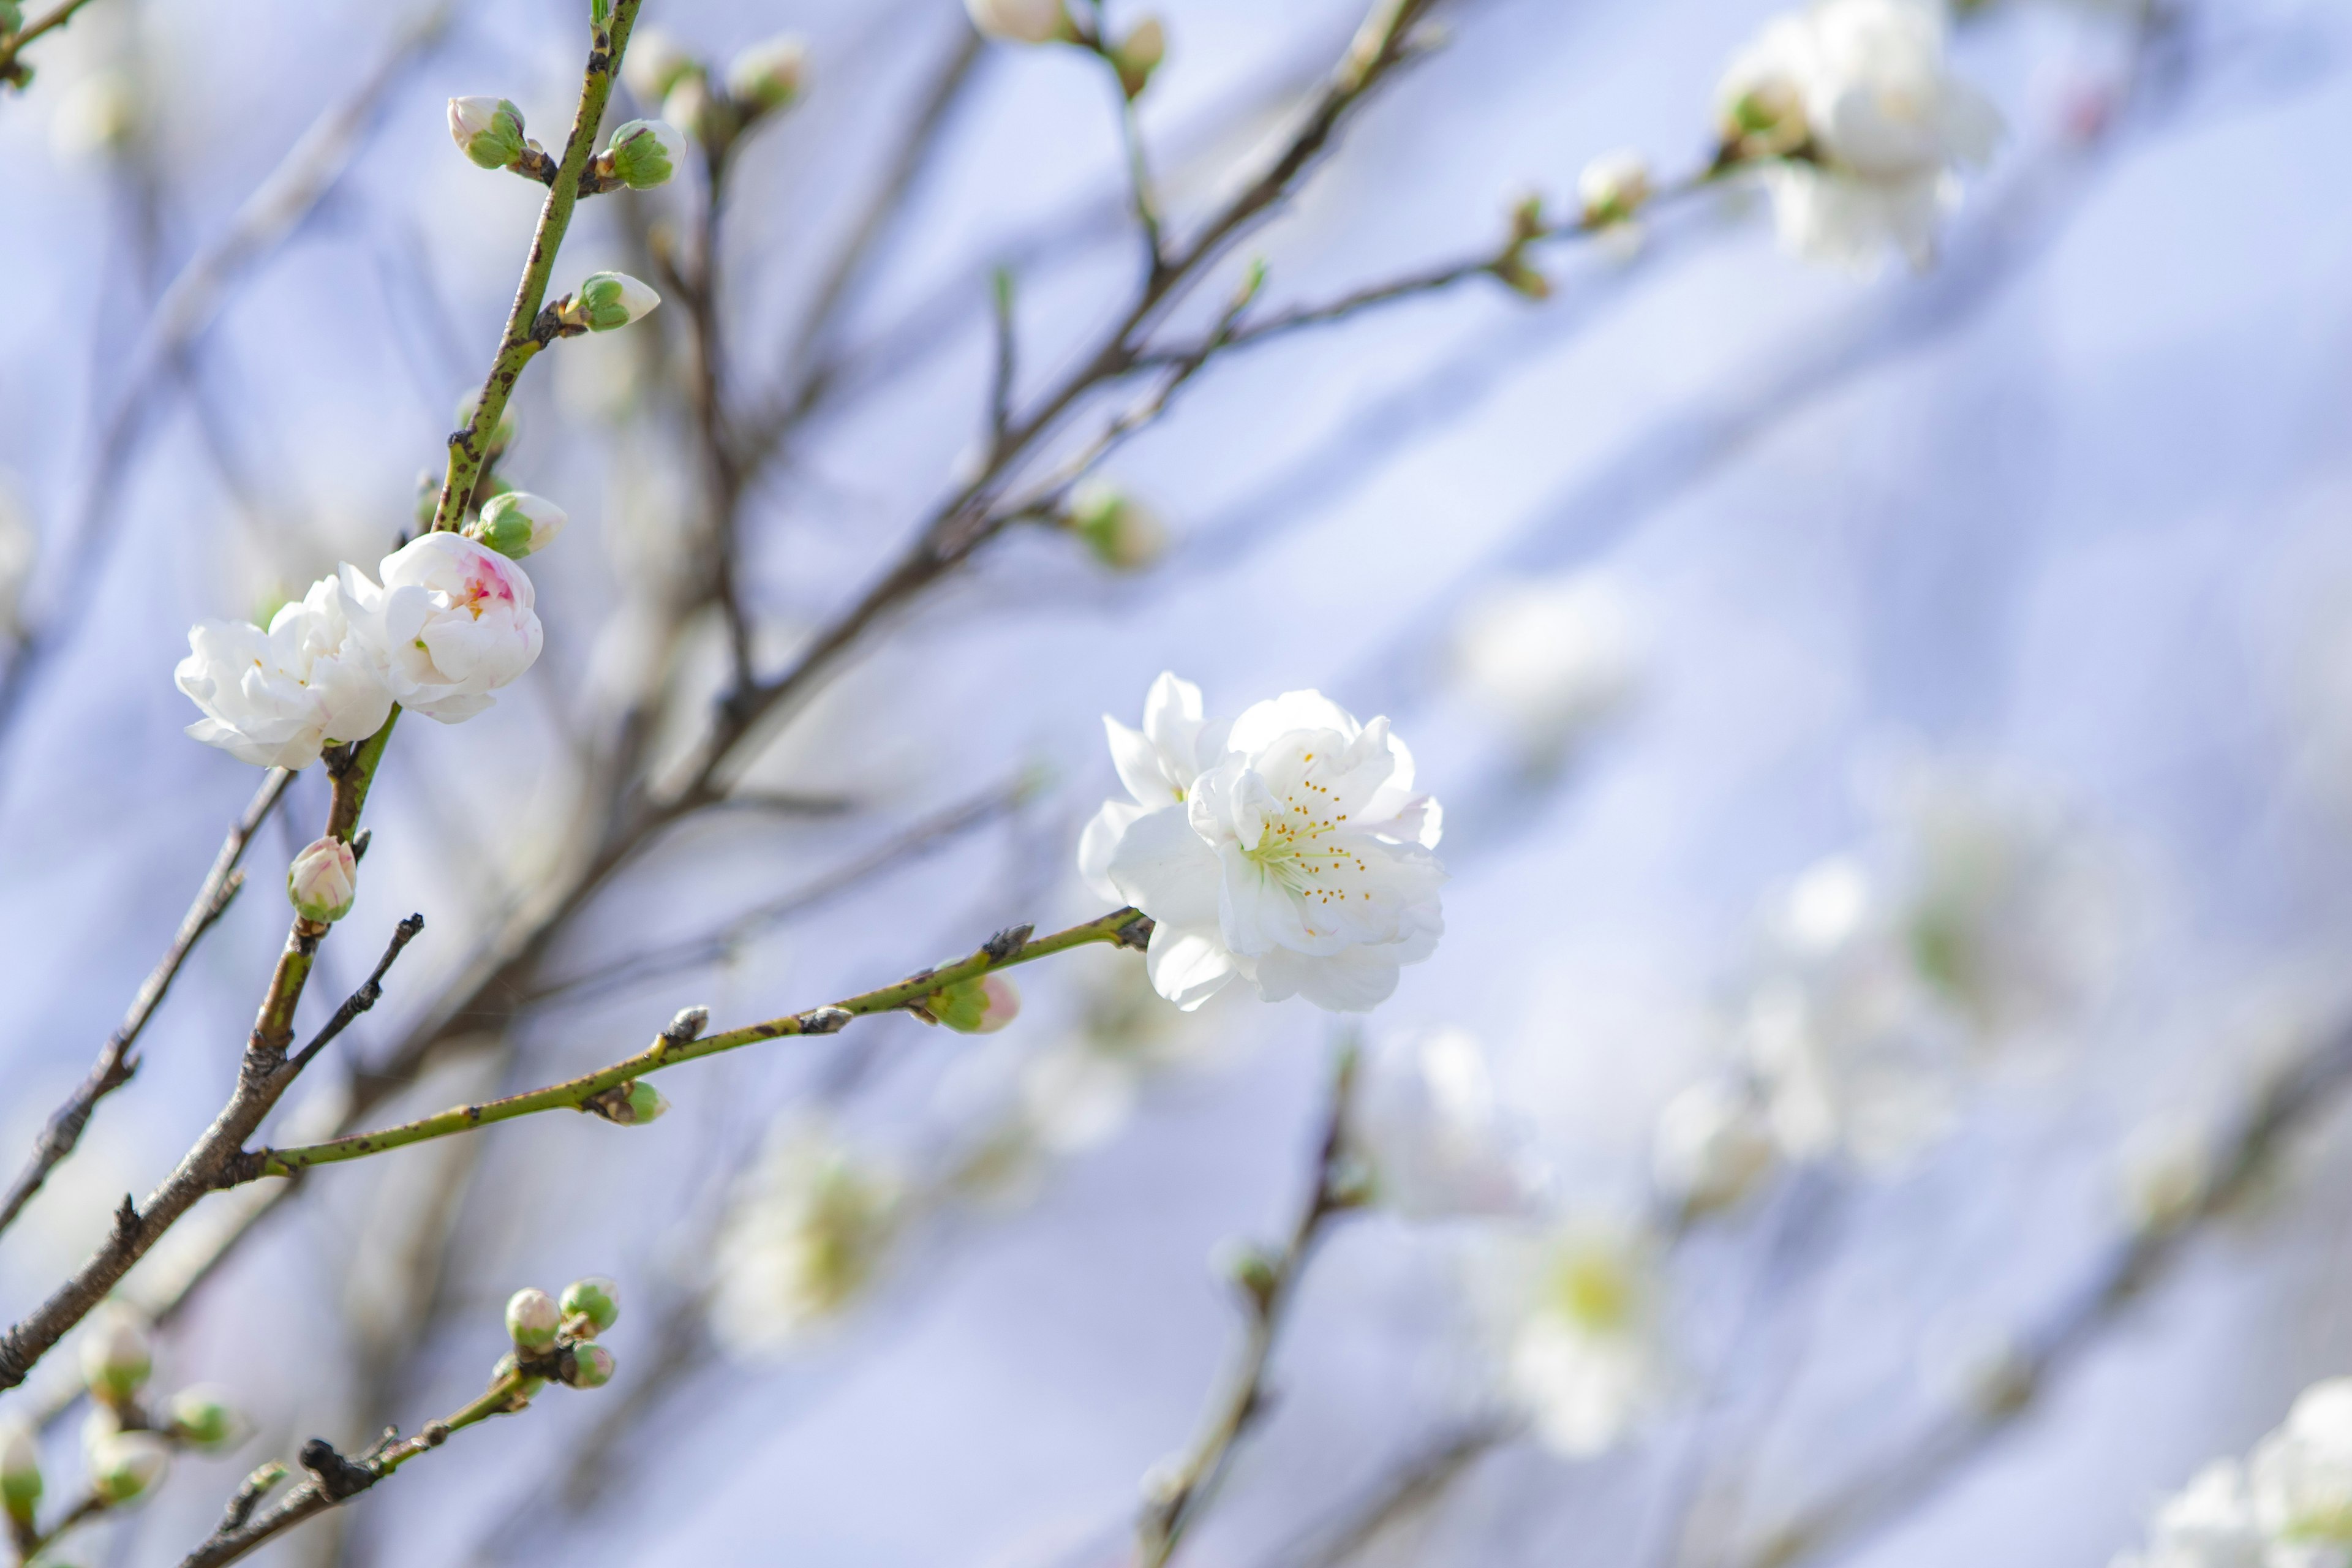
{"x": 768, "y": 76}
{"x": 323, "y": 880}
{"x": 645, "y": 152}
{"x": 596, "y": 1299}
{"x": 532, "y": 1320}
{"x": 486, "y": 130}
{"x": 517, "y": 523}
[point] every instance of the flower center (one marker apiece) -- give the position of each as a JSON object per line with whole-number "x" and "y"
{"x": 1301, "y": 848}
{"x": 483, "y": 587}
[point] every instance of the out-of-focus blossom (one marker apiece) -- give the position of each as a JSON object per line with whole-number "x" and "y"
{"x": 1861, "y": 122}
{"x": 20, "y": 1471}
{"x": 807, "y": 1234}
{"x": 1711, "y": 1146}
{"x": 1137, "y": 55}
{"x": 769, "y": 75}
{"x": 117, "y": 1354}
{"x": 323, "y": 880}
{"x": 2208, "y": 1524}
{"x": 316, "y": 678}
{"x": 1020, "y": 21}
{"x": 1582, "y": 1341}
{"x": 97, "y": 115}
{"x": 1288, "y": 849}
{"x": 654, "y": 62}
{"x": 455, "y": 621}
{"x": 1426, "y": 1126}
{"x": 1548, "y": 659}
{"x": 488, "y": 131}
{"x": 2166, "y": 1169}
{"x": 2301, "y": 1474}
{"x": 1613, "y": 187}
{"x": 203, "y": 1418}
{"x": 126, "y": 1465}
{"x": 1122, "y": 532}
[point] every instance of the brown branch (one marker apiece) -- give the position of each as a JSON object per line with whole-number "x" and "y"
{"x": 11, "y": 71}
{"x": 370, "y": 993}
{"x": 118, "y": 1061}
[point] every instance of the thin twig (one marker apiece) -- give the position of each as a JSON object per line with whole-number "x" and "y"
{"x": 999, "y": 384}
{"x": 116, "y": 1060}
{"x": 370, "y": 993}
{"x": 56, "y": 16}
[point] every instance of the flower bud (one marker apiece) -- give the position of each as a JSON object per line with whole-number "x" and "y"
{"x": 610, "y": 300}
{"x": 980, "y": 1006}
{"x": 768, "y": 76}
{"x": 532, "y": 1320}
{"x": 1765, "y": 118}
{"x": 20, "y": 1471}
{"x": 127, "y": 1464}
{"x": 203, "y": 1418}
{"x": 645, "y": 1103}
{"x": 1021, "y": 21}
{"x": 702, "y": 113}
{"x": 517, "y": 523}
{"x": 596, "y": 1299}
{"x": 656, "y": 61}
{"x": 589, "y": 1367}
{"x": 486, "y": 130}
{"x": 1613, "y": 187}
{"x": 117, "y": 1355}
{"x": 647, "y": 153}
{"x": 1137, "y": 55}
{"x": 323, "y": 880}
{"x": 1247, "y": 1265}
{"x": 1122, "y": 532}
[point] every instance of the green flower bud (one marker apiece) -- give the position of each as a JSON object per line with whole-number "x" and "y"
{"x": 516, "y": 522}
{"x": 610, "y": 300}
{"x": 980, "y": 1006}
{"x": 1122, "y": 532}
{"x": 645, "y": 152}
{"x": 656, "y": 61}
{"x": 202, "y": 1418}
{"x": 20, "y": 1471}
{"x": 768, "y": 76}
{"x": 590, "y": 1366}
{"x": 126, "y": 1465}
{"x": 116, "y": 1355}
{"x": 532, "y": 1320}
{"x": 486, "y": 130}
{"x": 596, "y": 1299}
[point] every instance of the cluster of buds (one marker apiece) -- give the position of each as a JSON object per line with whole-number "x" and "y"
{"x": 126, "y": 1447}
{"x": 714, "y": 108}
{"x": 1133, "y": 58}
{"x": 981, "y": 1005}
{"x": 555, "y": 1338}
{"x": 1123, "y": 533}
{"x": 323, "y": 880}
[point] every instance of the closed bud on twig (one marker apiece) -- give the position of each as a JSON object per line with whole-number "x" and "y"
{"x": 1764, "y": 118}
{"x": 656, "y": 61}
{"x": 203, "y": 1418}
{"x": 1245, "y": 1263}
{"x": 20, "y": 1471}
{"x": 517, "y": 523}
{"x": 645, "y": 152}
{"x": 588, "y": 1366}
{"x": 1511, "y": 267}
{"x": 486, "y": 130}
{"x": 630, "y": 1104}
{"x": 532, "y": 1320}
{"x": 510, "y": 1366}
{"x": 1122, "y": 532}
{"x": 323, "y": 880}
{"x": 591, "y": 1305}
{"x": 1137, "y": 55}
{"x": 117, "y": 1354}
{"x": 1613, "y": 187}
{"x": 701, "y": 111}
{"x": 126, "y": 1465}
{"x": 1021, "y": 21}
{"x": 607, "y": 301}
{"x": 768, "y": 76}
{"x": 977, "y": 1006}
{"x": 1522, "y": 279}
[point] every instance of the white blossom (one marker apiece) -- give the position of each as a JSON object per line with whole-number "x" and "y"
{"x": 1547, "y": 658}
{"x": 1613, "y": 187}
{"x": 768, "y": 76}
{"x": 654, "y": 62}
{"x": 1858, "y": 96}
{"x": 1288, "y": 848}
{"x": 806, "y": 1235}
{"x": 455, "y": 623}
{"x": 2208, "y": 1524}
{"x": 1711, "y": 1146}
{"x": 2300, "y": 1477}
{"x": 275, "y": 698}
{"x": 1020, "y": 21}
{"x": 1581, "y": 1340}
{"x": 1426, "y": 1125}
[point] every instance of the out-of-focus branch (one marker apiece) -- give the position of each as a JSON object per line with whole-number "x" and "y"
{"x": 118, "y": 1059}
{"x": 13, "y": 70}
{"x": 189, "y": 303}
{"x": 1415, "y": 1483}
{"x": 1178, "y": 1496}
{"x": 1120, "y": 928}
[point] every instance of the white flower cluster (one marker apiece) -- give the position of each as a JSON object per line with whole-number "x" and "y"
{"x": 447, "y": 623}
{"x": 2288, "y": 1505}
{"x": 1287, "y": 848}
{"x": 1852, "y": 112}
{"x": 809, "y": 1231}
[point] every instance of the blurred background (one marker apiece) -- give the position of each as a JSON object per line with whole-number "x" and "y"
{"x": 1896, "y": 734}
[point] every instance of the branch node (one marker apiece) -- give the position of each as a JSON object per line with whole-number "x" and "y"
{"x": 338, "y": 1477}
{"x": 685, "y": 1027}
{"x": 824, "y": 1020}
{"x": 249, "y": 1497}
{"x": 1136, "y": 933}
{"x": 1007, "y": 942}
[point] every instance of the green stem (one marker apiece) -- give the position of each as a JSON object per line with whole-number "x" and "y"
{"x": 496, "y": 1400}
{"x": 524, "y": 333}
{"x": 1119, "y": 927}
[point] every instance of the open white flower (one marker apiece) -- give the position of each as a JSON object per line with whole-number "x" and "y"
{"x": 1711, "y": 1146}
{"x": 2300, "y": 1477}
{"x": 808, "y": 1233}
{"x": 276, "y": 699}
{"x": 1426, "y": 1125}
{"x": 1288, "y": 849}
{"x": 1859, "y": 94}
{"x": 454, "y": 620}
{"x": 1582, "y": 1344}
{"x": 2208, "y": 1524}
